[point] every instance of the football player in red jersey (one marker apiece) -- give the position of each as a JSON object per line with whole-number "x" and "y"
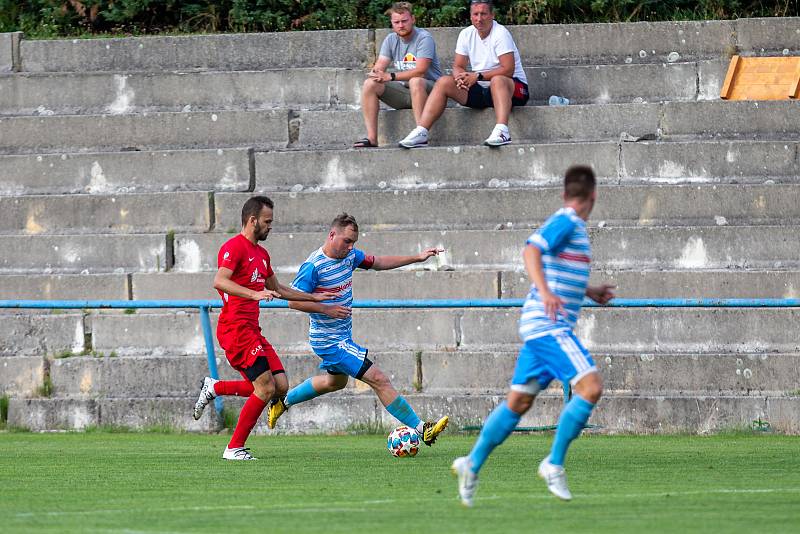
{"x": 245, "y": 278}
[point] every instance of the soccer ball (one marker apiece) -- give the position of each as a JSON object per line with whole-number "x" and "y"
{"x": 403, "y": 441}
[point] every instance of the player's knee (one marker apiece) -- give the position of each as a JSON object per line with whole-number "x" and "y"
{"x": 369, "y": 86}
{"x": 417, "y": 84}
{"x": 378, "y": 380}
{"x": 281, "y": 390}
{"x": 264, "y": 390}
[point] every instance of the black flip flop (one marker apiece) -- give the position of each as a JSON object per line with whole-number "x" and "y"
{"x": 364, "y": 143}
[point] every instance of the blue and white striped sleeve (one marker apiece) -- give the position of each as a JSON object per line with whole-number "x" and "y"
{"x": 553, "y": 233}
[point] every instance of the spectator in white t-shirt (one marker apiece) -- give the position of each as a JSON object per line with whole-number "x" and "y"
{"x": 497, "y": 79}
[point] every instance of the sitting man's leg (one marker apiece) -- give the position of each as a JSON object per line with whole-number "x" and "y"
{"x": 370, "y": 93}
{"x": 420, "y": 89}
{"x": 444, "y": 88}
{"x": 502, "y": 90}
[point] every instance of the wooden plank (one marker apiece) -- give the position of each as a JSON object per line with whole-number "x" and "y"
{"x": 726, "y": 87}
{"x": 794, "y": 92}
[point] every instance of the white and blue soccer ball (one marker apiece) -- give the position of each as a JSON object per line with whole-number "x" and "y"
{"x": 403, "y": 441}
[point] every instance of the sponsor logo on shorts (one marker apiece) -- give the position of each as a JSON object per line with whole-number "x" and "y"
{"x": 255, "y": 351}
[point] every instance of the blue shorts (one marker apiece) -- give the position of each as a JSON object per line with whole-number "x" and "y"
{"x": 559, "y": 355}
{"x": 348, "y": 358}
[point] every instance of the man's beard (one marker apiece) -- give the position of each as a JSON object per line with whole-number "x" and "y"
{"x": 261, "y": 235}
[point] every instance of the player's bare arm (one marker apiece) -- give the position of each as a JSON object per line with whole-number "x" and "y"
{"x": 460, "y": 71}
{"x": 223, "y": 282}
{"x": 601, "y": 294}
{"x": 334, "y": 311}
{"x": 532, "y": 257}
{"x": 287, "y": 293}
{"x": 383, "y": 263}
{"x": 378, "y": 72}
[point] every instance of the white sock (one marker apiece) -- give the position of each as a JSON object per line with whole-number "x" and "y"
{"x": 422, "y": 130}
{"x": 502, "y": 127}
{"x": 420, "y": 426}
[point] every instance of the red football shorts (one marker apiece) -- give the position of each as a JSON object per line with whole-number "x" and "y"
{"x": 243, "y": 345}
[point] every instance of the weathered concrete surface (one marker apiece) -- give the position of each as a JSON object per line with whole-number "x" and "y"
{"x": 65, "y": 287}
{"x": 709, "y": 161}
{"x": 650, "y": 205}
{"x": 254, "y": 51}
{"x": 287, "y": 330}
{"x": 602, "y": 84}
{"x": 732, "y": 120}
{"x": 9, "y": 51}
{"x": 403, "y": 284}
{"x": 651, "y": 330}
{"x": 682, "y": 330}
{"x": 625, "y": 248}
{"x": 52, "y": 414}
{"x": 643, "y": 374}
{"x": 478, "y": 166}
{"x": 119, "y": 214}
{"x": 41, "y": 335}
{"x": 526, "y": 165}
{"x": 126, "y": 172}
{"x": 82, "y": 133}
{"x": 638, "y": 42}
{"x": 87, "y": 253}
{"x": 764, "y": 36}
{"x": 88, "y": 93}
{"x": 21, "y": 376}
{"x": 680, "y": 284}
{"x": 338, "y": 129}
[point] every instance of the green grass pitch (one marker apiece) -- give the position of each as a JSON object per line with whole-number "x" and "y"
{"x": 162, "y": 483}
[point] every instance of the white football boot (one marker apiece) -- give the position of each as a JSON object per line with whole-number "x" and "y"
{"x": 206, "y": 395}
{"x": 556, "y": 479}
{"x": 467, "y": 480}
{"x": 239, "y": 453}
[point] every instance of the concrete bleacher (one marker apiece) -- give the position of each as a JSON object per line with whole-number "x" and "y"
{"x": 124, "y": 164}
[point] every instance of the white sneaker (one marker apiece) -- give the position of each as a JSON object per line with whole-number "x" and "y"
{"x": 467, "y": 480}
{"x": 417, "y": 137}
{"x": 556, "y": 479}
{"x": 239, "y": 453}
{"x": 499, "y": 137}
{"x": 206, "y": 395}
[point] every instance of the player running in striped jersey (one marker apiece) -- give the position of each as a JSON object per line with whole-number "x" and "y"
{"x": 330, "y": 268}
{"x": 557, "y": 259}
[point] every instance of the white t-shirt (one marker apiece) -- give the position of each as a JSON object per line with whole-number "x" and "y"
{"x": 483, "y": 54}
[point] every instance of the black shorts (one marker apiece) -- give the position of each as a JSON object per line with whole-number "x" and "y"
{"x": 259, "y": 367}
{"x": 480, "y": 97}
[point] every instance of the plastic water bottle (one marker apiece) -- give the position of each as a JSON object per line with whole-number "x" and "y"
{"x": 556, "y": 100}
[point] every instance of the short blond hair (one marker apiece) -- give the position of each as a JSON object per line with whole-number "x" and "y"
{"x": 400, "y": 7}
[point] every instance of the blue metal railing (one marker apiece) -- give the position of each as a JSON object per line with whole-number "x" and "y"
{"x": 205, "y": 306}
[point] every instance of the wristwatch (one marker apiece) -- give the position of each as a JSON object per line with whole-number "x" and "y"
{"x": 480, "y": 76}
{"x": 393, "y": 75}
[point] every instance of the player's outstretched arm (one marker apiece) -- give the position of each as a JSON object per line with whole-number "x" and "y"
{"x": 383, "y": 263}
{"x": 287, "y": 293}
{"x": 223, "y": 282}
{"x": 334, "y": 311}
{"x": 601, "y": 294}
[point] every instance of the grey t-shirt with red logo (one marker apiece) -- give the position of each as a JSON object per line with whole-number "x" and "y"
{"x": 404, "y": 54}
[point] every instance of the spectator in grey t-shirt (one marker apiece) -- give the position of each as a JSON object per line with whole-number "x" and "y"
{"x": 404, "y": 73}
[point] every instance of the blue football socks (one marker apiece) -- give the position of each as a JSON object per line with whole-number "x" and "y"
{"x": 301, "y": 393}
{"x": 498, "y": 426}
{"x": 573, "y": 419}
{"x": 403, "y": 412}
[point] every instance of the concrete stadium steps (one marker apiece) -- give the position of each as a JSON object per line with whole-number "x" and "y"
{"x": 776, "y": 120}
{"x": 458, "y": 372}
{"x": 341, "y": 412}
{"x": 519, "y": 165}
{"x": 619, "y": 248}
{"x": 609, "y": 330}
{"x": 413, "y": 284}
{"x": 647, "y": 205}
{"x": 9, "y": 51}
{"x": 41, "y": 334}
{"x": 254, "y": 51}
{"x": 86, "y": 254}
{"x": 121, "y": 214}
{"x": 525, "y": 165}
{"x": 191, "y": 212}
{"x": 128, "y": 172}
{"x": 146, "y": 131}
{"x": 642, "y": 42}
{"x": 326, "y": 88}
{"x": 91, "y": 93}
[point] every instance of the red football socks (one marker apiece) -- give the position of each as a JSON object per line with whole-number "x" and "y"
{"x": 247, "y": 420}
{"x": 240, "y": 388}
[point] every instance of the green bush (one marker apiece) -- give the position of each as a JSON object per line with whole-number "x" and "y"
{"x": 52, "y": 18}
